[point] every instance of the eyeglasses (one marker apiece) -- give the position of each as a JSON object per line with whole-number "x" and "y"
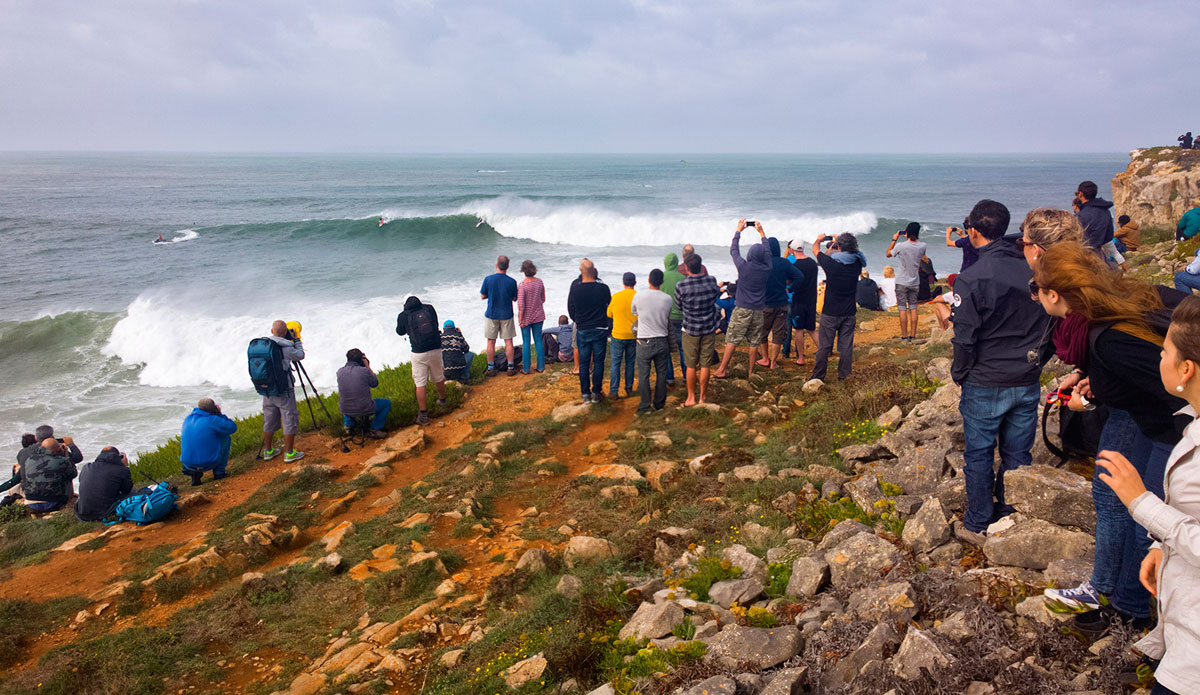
{"x": 1022, "y": 243}
{"x": 1033, "y": 287}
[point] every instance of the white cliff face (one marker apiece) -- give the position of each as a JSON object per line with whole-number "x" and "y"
{"x": 1160, "y": 184}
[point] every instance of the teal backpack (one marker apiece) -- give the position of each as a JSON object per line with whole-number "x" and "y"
{"x": 146, "y": 506}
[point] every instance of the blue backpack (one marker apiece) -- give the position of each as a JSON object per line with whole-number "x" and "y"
{"x": 146, "y": 506}
{"x": 266, "y": 368}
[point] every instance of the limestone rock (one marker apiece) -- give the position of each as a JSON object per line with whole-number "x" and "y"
{"x": 567, "y": 411}
{"x": 812, "y": 386}
{"x": 843, "y": 530}
{"x": 524, "y": 671}
{"x": 788, "y": 681}
{"x": 928, "y": 528}
{"x": 614, "y": 471}
{"x": 333, "y": 538}
{"x": 716, "y": 685}
{"x": 660, "y": 440}
{"x": 452, "y": 658}
{"x": 1056, "y": 495}
{"x": 1066, "y": 573}
{"x": 916, "y": 652}
{"x": 534, "y": 560}
{"x": 809, "y": 574}
{"x": 581, "y": 548}
{"x": 887, "y": 602}
{"x": 938, "y": 369}
{"x": 860, "y": 452}
{"x": 603, "y": 446}
{"x": 739, "y": 591}
{"x": 1035, "y": 543}
{"x": 891, "y": 418}
{"x": 569, "y": 586}
{"x": 339, "y": 505}
{"x": 405, "y": 443}
{"x": 865, "y": 492}
{"x": 752, "y": 566}
{"x": 878, "y": 645}
{"x": 764, "y": 647}
{"x": 861, "y": 559}
{"x": 652, "y": 620}
{"x": 1158, "y": 187}
{"x": 917, "y": 472}
{"x": 660, "y": 474}
{"x": 700, "y": 464}
{"x": 753, "y": 473}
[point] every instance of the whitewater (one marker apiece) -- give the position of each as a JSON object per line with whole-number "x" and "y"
{"x": 112, "y": 338}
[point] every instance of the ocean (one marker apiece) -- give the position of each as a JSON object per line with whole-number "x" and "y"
{"x": 112, "y": 338}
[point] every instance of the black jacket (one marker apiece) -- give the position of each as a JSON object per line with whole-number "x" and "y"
{"x": 1097, "y": 221}
{"x": 1123, "y": 370}
{"x": 996, "y": 324}
{"x": 102, "y": 483}
{"x": 587, "y": 305}
{"x": 74, "y": 455}
{"x": 420, "y": 323}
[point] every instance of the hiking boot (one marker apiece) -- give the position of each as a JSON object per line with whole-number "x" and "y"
{"x": 962, "y": 533}
{"x": 196, "y": 476}
{"x": 1082, "y": 596}
{"x": 1095, "y": 624}
{"x": 377, "y": 434}
{"x": 422, "y": 418}
{"x": 293, "y": 456}
{"x": 512, "y": 371}
{"x": 597, "y": 397}
{"x": 219, "y": 476}
{"x": 271, "y": 453}
{"x": 491, "y": 371}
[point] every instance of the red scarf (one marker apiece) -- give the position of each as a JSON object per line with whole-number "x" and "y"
{"x": 1070, "y": 339}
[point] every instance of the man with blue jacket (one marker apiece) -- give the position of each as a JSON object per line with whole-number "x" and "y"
{"x": 204, "y": 443}
{"x": 775, "y": 316}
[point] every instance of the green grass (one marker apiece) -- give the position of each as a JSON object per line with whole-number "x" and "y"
{"x": 22, "y": 620}
{"x": 709, "y": 571}
{"x": 25, "y": 540}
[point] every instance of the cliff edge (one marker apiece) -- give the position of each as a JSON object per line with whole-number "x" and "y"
{"x": 1160, "y": 184}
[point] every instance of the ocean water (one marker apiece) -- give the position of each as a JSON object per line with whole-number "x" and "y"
{"x": 113, "y": 338}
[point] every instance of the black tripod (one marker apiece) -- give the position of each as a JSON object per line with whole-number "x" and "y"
{"x": 302, "y": 374}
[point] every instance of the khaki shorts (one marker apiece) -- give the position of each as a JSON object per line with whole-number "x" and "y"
{"x": 427, "y": 366}
{"x": 504, "y": 329}
{"x": 745, "y": 326}
{"x": 775, "y": 324}
{"x": 281, "y": 411}
{"x": 698, "y": 350}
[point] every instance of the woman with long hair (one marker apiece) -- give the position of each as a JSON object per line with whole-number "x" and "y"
{"x": 531, "y": 313}
{"x": 1105, "y": 328}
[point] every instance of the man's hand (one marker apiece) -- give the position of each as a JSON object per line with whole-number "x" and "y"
{"x": 1122, "y": 477}
{"x": 741, "y": 225}
{"x": 1084, "y": 388}
{"x": 896, "y": 236}
{"x": 366, "y": 362}
{"x": 758, "y": 226}
{"x": 1149, "y": 571}
{"x": 68, "y": 441}
{"x": 1075, "y": 403}
{"x": 125, "y": 460}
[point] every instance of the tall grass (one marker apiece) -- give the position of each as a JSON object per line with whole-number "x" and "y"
{"x": 395, "y": 383}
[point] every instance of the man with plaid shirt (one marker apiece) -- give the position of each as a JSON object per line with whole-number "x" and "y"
{"x": 696, "y": 295}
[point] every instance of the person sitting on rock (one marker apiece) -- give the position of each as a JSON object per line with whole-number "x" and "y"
{"x": 46, "y": 477}
{"x": 457, "y": 357}
{"x": 205, "y": 440}
{"x": 103, "y": 483}
{"x": 1128, "y": 236}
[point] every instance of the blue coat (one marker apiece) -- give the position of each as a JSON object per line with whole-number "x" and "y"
{"x": 203, "y": 436}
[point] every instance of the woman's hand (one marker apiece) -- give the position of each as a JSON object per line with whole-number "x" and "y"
{"x": 1122, "y": 477}
{"x": 1069, "y": 381}
{"x": 1149, "y": 572}
{"x": 1076, "y": 403}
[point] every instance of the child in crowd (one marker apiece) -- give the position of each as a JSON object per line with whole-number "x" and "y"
{"x": 1170, "y": 569}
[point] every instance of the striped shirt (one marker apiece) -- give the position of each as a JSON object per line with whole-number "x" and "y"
{"x": 696, "y": 296}
{"x": 531, "y": 300}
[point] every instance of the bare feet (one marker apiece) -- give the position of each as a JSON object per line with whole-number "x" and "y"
{"x": 763, "y": 363}
{"x": 689, "y": 402}
{"x": 576, "y": 372}
{"x": 798, "y": 362}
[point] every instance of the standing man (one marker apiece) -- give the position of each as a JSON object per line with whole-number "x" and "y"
{"x": 653, "y": 312}
{"x": 746, "y": 321}
{"x": 500, "y": 291}
{"x": 355, "y": 381}
{"x": 624, "y": 345}
{"x": 280, "y": 411}
{"x": 688, "y": 250}
{"x": 842, "y": 265}
{"x": 775, "y": 315}
{"x": 420, "y": 323}
{"x": 204, "y": 441}
{"x": 1095, "y": 216}
{"x": 997, "y": 330}
{"x": 671, "y": 276}
{"x": 587, "y": 305}
{"x": 696, "y": 295}
{"x": 908, "y": 279}
{"x": 804, "y": 300}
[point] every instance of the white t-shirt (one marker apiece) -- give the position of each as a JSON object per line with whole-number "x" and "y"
{"x": 888, "y": 285}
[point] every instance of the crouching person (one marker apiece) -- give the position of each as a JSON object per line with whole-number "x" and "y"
{"x": 204, "y": 443}
{"x": 103, "y": 483}
{"x": 46, "y": 477}
{"x": 355, "y": 382}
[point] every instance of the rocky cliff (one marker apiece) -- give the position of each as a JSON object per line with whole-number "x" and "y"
{"x": 1160, "y": 184}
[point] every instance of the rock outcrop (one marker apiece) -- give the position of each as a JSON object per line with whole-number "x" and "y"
{"x": 1160, "y": 184}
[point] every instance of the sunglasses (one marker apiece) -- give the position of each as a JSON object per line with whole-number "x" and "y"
{"x": 1033, "y": 287}
{"x": 1021, "y": 244}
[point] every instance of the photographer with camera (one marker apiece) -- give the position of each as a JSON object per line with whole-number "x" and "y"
{"x": 355, "y": 381}
{"x": 205, "y": 440}
{"x": 908, "y": 276}
{"x": 280, "y": 410}
{"x": 46, "y": 476}
{"x": 746, "y": 321}
{"x": 1185, "y": 140}
{"x": 969, "y": 254}
{"x": 843, "y": 264}
{"x": 47, "y": 432}
{"x": 103, "y": 483}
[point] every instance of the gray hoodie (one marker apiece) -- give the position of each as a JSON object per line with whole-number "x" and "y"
{"x": 752, "y": 274}
{"x": 293, "y": 351}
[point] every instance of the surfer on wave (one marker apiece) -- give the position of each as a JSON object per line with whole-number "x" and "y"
{"x": 160, "y": 240}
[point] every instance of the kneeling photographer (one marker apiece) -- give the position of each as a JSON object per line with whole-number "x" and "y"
{"x": 355, "y": 381}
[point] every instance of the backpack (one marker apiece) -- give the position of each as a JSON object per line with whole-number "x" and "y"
{"x": 1078, "y": 432}
{"x": 266, "y": 368}
{"x": 146, "y": 506}
{"x": 422, "y": 329}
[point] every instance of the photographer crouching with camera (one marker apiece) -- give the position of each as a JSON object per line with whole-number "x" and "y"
{"x": 355, "y": 381}
{"x": 279, "y": 404}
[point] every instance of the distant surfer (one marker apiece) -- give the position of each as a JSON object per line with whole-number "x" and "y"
{"x": 382, "y": 221}
{"x": 160, "y": 240}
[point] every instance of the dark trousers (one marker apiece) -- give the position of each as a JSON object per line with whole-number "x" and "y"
{"x": 843, "y": 328}
{"x": 675, "y": 344}
{"x": 592, "y": 345}
{"x": 656, "y": 351}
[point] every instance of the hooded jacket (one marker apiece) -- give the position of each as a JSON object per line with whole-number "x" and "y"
{"x": 1130, "y": 235}
{"x": 996, "y": 324}
{"x": 753, "y": 271}
{"x": 46, "y": 477}
{"x": 202, "y": 440}
{"x": 102, "y": 483}
{"x": 355, "y": 382}
{"x": 671, "y": 275}
{"x": 1097, "y": 222}
{"x": 420, "y": 323}
{"x": 781, "y": 273}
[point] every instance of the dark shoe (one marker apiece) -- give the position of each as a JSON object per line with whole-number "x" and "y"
{"x": 1095, "y": 624}
{"x": 491, "y": 371}
{"x": 512, "y": 371}
{"x": 219, "y": 476}
{"x": 377, "y": 434}
{"x": 597, "y": 397}
{"x": 196, "y": 477}
{"x": 642, "y": 412}
{"x": 422, "y": 418}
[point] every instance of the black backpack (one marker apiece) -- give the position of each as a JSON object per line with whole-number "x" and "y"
{"x": 550, "y": 346}
{"x": 422, "y": 327}
{"x": 1078, "y": 432}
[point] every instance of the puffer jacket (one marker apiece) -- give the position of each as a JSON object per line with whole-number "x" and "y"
{"x": 1175, "y": 526}
{"x": 46, "y": 477}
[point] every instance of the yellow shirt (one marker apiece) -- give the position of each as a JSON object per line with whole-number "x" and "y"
{"x": 621, "y": 314}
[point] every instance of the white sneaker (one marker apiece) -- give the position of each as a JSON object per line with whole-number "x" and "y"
{"x": 293, "y": 456}
{"x": 1080, "y": 597}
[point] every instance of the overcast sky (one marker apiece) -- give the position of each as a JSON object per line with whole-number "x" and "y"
{"x": 597, "y": 76}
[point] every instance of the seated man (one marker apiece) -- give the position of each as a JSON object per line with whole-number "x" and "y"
{"x": 204, "y": 441}
{"x": 564, "y": 333}
{"x": 457, "y": 357}
{"x": 103, "y": 483}
{"x": 355, "y": 381}
{"x": 868, "y": 294}
{"x": 47, "y": 432}
{"x": 46, "y": 477}
{"x": 15, "y": 480}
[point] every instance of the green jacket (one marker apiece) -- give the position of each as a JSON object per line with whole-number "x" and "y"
{"x": 1189, "y": 224}
{"x": 671, "y": 275}
{"x": 46, "y": 477}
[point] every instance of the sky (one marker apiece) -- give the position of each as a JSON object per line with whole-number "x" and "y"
{"x": 793, "y": 76}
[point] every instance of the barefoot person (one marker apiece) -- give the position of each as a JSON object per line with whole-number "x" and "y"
{"x": 746, "y": 321}
{"x": 696, "y": 295}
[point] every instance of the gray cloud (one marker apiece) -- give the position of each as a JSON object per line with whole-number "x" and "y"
{"x": 645, "y": 75}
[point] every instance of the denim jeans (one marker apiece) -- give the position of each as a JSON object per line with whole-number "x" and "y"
{"x": 675, "y": 343}
{"x": 592, "y": 343}
{"x": 622, "y": 349}
{"x": 531, "y": 339}
{"x": 1130, "y": 597}
{"x": 383, "y": 406}
{"x": 1009, "y": 415}
{"x": 654, "y": 352}
{"x": 1121, "y": 434}
{"x": 1186, "y": 282}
